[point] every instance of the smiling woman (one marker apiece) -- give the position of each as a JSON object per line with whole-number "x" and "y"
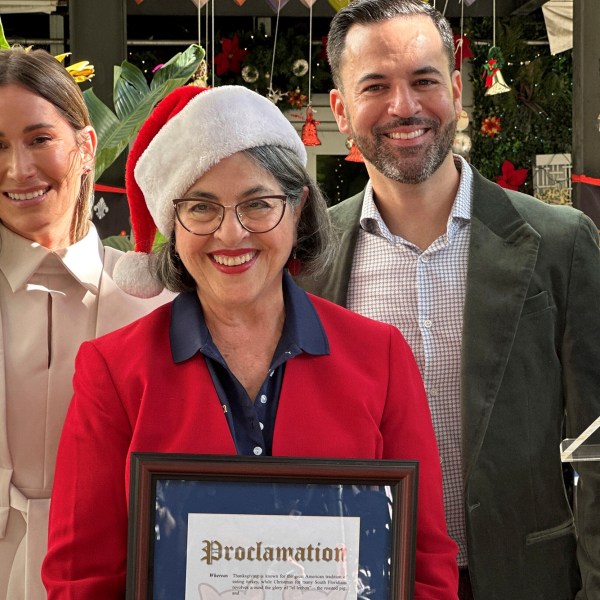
{"x": 56, "y": 290}
{"x": 243, "y": 361}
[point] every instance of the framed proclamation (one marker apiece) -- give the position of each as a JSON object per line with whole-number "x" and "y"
{"x": 270, "y": 528}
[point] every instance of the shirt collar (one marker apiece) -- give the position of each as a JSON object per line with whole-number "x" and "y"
{"x": 372, "y": 222}
{"x": 20, "y": 258}
{"x": 189, "y": 333}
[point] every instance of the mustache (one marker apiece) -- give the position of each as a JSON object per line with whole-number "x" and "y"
{"x": 406, "y": 122}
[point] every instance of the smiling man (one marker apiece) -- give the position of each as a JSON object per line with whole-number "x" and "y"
{"x": 493, "y": 291}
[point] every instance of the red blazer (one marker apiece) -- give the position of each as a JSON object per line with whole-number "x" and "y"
{"x": 364, "y": 400}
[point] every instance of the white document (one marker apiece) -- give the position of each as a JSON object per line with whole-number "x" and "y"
{"x": 272, "y": 557}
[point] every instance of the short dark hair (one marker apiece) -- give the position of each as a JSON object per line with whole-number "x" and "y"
{"x": 365, "y": 12}
{"x": 316, "y": 244}
{"x": 40, "y": 73}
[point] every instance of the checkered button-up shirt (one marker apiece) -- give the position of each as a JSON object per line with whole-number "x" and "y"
{"x": 422, "y": 293}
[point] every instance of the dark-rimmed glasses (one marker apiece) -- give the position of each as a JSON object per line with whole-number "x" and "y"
{"x": 256, "y": 215}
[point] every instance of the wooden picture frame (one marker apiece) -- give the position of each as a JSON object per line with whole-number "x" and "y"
{"x": 287, "y": 497}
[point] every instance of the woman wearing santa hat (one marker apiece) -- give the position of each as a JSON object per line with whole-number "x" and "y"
{"x": 56, "y": 290}
{"x": 242, "y": 361}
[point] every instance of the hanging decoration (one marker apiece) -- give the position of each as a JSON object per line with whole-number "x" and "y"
{"x": 491, "y": 126}
{"x": 300, "y": 67}
{"x": 493, "y": 76}
{"x": 354, "y": 154}
{"x": 296, "y": 98}
{"x": 511, "y": 178}
{"x": 309, "y": 129}
{"x": 338, "y": 4}
{"x": 239, "y": 2}
{"x": 200, "y": 77}
{"x": 277, "y": 5}
{"x": 231, "y": 56}
{"x": 494, "y": 82}
{"x": 462, "y": 49}
{"x": 276, "y": 96}
{"x": 250, "y": 74}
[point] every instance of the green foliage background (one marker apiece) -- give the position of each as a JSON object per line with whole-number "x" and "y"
{"x": 536, "y": 114}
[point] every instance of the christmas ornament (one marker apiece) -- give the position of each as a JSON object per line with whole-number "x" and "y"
{"x": 275, "y": 96}
{"x": 462, "y": 144}
{"x": 354, "y": 154}
{"x": 300, "y": 67}
{"x": 491, "y": 70}
{"x": 462, "y": 50}
{"x": 490, "y": 126}
{"x": 463, "y": 121}
{"x": 231, "y": 56}
{"x": 309, "y": 129}
{"x": 250, "y": 74}
{"x": 511, "y": 178}
{"x": 200, "y": 77}
{"x": 498, "y": 86}
{"x": 277, "y": 5}
{"x": 338, "y": 4}
{"x": 493, "y": 64}
{"x": 296, "y": 99}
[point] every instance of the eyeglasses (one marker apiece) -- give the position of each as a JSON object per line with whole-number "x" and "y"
{"x": 256, "y": 215}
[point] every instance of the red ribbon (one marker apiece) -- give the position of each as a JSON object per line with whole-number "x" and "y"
{"x": 108, "y": 188}
{"x": 585, "y": 179}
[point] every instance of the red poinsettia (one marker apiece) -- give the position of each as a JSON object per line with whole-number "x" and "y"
{"x": 490, "y": 126}
{"x": 231, "y": 57}
{"x": 462, "y": 49}
{"x": 511, "y": 178}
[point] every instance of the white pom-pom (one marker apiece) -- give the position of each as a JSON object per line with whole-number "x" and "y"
{"x": 133, "y": 275}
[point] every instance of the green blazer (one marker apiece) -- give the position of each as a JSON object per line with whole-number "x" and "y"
{"x": 530, "y": 372}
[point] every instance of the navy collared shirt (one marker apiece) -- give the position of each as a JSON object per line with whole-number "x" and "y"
{"x": 251, "y": 422}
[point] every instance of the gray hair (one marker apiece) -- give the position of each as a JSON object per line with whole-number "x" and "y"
{"x": 365, "y": 12}
{"x": 316, "y": 243}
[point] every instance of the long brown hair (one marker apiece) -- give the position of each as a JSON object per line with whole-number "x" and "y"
{"x": 39, "y": 72}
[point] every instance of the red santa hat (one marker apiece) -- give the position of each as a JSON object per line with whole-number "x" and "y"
{"x": 190, "y": 131}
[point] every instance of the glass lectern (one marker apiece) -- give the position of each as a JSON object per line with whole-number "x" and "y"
{"x": 586, "y": 447}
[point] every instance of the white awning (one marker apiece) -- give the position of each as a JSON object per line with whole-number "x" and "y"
{"x": 558, "y": 15}
{"x": 28, "y": 6}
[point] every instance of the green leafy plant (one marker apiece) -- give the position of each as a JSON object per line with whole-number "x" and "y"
{"x": 133, "y": 100}
{"x": 3, "y": 42}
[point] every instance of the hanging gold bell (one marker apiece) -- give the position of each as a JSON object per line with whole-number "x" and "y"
{"x": 499, "y": 86}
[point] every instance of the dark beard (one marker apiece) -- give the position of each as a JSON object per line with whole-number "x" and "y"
{"x": 389, "y": 161}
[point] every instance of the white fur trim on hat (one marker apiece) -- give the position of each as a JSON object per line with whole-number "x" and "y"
{"x": 133, "y": 274}
{"x": 203, "y": 133}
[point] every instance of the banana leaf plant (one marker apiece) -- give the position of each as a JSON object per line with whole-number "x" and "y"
{"x": 133, "y": 101}
{"x": 3, "y": 41}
